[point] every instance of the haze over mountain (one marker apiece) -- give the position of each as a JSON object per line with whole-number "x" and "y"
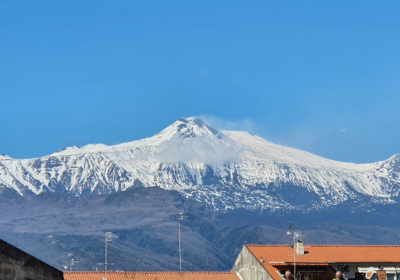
{"x": 224, "y": 169}
{"x": 58, "y": 227}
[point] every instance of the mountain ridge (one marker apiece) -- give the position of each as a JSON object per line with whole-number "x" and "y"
{"x": 224, "y": 169}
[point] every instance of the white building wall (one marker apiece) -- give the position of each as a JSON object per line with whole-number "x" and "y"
{"x": 249, "y": 267}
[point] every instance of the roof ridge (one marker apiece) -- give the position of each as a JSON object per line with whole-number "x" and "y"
{"x": 108, "y": 272}
{"x": 321, "y": 245}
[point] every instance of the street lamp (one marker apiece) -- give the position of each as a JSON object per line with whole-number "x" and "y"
{"x": 180, "y": 217}
{"x": 108, "y": 238}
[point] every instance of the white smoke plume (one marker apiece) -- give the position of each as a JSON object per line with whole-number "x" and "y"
{"x": 200, "y": 149}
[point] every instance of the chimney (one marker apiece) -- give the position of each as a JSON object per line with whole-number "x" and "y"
{"x": 300, "y": 248}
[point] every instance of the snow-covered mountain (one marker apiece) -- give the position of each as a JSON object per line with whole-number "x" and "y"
{"x": 225, "y": 169}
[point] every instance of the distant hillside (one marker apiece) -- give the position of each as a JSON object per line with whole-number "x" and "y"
{"x": 51, "y": 226}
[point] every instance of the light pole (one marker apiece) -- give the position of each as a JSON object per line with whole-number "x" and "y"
{"x": 180, "y": 217}
{"x": 109, "y": 237}
{"x": 294, "y": 255}
{"x": 71, "y": 265}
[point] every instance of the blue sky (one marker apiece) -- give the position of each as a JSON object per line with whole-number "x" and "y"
{"x": 323, "y": 76}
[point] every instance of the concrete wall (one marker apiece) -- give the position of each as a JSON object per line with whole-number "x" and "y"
{"x": 18, "y": 265}
{"x": 249, "y": 267}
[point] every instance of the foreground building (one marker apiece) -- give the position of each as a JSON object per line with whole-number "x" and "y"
{"x": 317, "y": 262}
{"x": 18, "y": 265}
{"x": 152, "y": 275}
{"x": 254, "y": 262}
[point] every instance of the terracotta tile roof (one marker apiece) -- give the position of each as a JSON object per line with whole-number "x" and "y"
{"x": 275, "y": 255}
{"x": 329, "y": 253}
{"x": 151, "y": 275}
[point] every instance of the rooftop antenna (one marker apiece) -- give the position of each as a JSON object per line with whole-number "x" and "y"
{"x": 289, "y": 234}
{"x": 180, "y": 217}
{"x": 109, "y": 236}
{"x": 295, "y": 235}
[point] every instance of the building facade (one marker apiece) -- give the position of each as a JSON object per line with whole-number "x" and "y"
{"x": 18, "y": 265}
{"x": 317, "y": 262}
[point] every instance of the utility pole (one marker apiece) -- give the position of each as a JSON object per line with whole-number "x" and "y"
{"x": 291, "y": 229}
{"x": 180, "y": 217}
{"x": 108, "y": 238}
{"x": 294, "y": 255}
{"x": 71, "y": 265}
{"x": 291, "y": 233}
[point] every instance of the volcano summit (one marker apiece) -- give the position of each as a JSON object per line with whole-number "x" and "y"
{"x": 224, "y": 169}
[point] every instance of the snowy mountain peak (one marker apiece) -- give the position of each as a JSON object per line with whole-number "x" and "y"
{"x": 395, "y": 158}
{"x": 67, "y": 150}
{"x": 3, "y": 156}
{"x": 189, "y": 128}
{"x": 192, "y": 127}
{"x": 74, "y": 150}
{"x": 227, "y": 169}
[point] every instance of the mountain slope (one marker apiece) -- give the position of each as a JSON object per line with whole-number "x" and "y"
{"x": 225, "y": 169}
{"x": 59, "y": 227}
